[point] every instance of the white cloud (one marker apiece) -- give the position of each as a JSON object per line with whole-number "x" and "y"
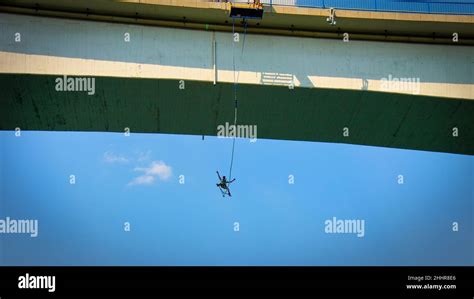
{"x": 156, "y": 169}
{"x": 110, "y": 157}
{"x": 142, "y": 180}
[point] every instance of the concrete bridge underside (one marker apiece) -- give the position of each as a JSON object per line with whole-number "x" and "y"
{"x": 337, "y": 85}
{"x": 160, "y": 106}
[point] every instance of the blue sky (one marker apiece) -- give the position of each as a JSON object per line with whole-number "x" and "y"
{"x": 135, "y": 179}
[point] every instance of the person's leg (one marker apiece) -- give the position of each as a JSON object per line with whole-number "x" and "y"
{"x": 222, "y": 192}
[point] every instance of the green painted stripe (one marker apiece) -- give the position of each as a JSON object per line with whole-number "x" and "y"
{"x": 159, "y": 106}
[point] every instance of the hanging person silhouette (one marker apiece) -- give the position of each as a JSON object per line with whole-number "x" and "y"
{"x": 224, "y": 185}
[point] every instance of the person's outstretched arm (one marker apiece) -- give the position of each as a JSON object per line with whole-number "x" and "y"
{"x": 231, "y": 181}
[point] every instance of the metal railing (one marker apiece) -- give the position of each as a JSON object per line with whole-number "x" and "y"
{"x": 456, "y": 7}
